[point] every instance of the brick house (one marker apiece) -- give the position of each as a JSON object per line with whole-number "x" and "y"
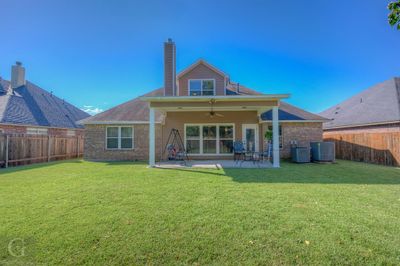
{"x": 209, "y": 110}
{"x": 366, "y": 127}
{"x": 28, "y": 109}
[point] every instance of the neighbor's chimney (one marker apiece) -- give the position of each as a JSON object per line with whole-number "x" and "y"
{"x": 17, "y": 75}
{"x": 169, "y": 68}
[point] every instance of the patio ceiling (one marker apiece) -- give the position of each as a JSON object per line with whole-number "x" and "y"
{"x": 260, "y": 103}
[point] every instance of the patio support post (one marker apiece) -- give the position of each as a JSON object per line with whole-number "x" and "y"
{"x": 275, "y": 137}
{"x": 152, "y": 140}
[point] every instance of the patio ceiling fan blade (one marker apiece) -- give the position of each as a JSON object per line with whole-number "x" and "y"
{"x": 212, "y": 114}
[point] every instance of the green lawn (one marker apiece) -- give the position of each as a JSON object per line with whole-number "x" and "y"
{"x": 77, "y": 212}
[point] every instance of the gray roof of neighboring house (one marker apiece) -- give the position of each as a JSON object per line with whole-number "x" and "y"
{"x": 137, "y": 110}
{"x": 378, "y": 104}
{"x": 31, "y": 105}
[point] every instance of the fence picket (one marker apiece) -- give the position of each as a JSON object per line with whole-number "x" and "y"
{"x": 374, "y": 147}
{"x": 20, "y": 149}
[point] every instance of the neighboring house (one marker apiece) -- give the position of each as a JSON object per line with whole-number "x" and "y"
{"x": 210, "y": 112}
{"x": 366, "y": 126}
{"x": 27, "y": 109}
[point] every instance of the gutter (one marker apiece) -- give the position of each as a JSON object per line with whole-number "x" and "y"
{"x": 117, "y": 122}
{"x": 221, "y": 98}
{"x": 363, "y": 125}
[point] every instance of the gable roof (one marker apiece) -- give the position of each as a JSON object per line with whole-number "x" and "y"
{"x": 133, "y": 111}
{"x": 288, "y": 112}
{"x": 200, "y": 62}
{"x": 376, "y": 105}
{"x": 31, "y": 105}
{"x": 137, "y": 111}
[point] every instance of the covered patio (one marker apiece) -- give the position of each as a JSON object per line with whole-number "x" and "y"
{"x": 242, "y": 112}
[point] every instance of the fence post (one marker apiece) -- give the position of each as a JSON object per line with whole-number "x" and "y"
{"x": 7, "y": 141}
{"x": 77, "y": 146}
{"x": 48, "y": 149}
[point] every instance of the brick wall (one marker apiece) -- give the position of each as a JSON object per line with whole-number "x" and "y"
{"x": 95, "y": 135}
{"x": 16, "y": 129}
{"x": 303, "y": 133}
{"x": 95, "y": 140}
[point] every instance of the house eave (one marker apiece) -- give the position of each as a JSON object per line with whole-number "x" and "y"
{"x": 118, "y": 122}
{"x": 219, "y": 98}
{"x": 362, "y": 125}
{"x": 295, "y": 121}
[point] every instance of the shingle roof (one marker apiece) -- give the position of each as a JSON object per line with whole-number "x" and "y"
{"x": 137, "y": 110}
{"x": 134, "y": 110}
{"x": 378, "y": 104}
{"x": 289, "y": 112}
{"x": 31, "y": 105}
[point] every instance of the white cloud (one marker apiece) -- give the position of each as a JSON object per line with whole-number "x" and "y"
{"x": 91, "y": 109}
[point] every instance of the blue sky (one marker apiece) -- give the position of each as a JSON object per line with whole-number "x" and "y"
{"x": 102, "y": 53}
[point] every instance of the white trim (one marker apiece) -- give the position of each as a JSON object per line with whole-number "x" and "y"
{"x": 198, "y": 62}
{"x": 27, "y": 125}
{"x": 275, "y": 137}
{"x": 118, "y": 122}
{"x": 362, "y": 125}
{"x": 256, "y": 135}
{"x": 119, "y": 139}
{"x": 200, "y": 125}
{"x": 222, "y": 98}
{"x": 37, "y": 131}
{"x": 152, "y": 139}
{"x": 294, "y": 121}
{"x": 201, "y": 87}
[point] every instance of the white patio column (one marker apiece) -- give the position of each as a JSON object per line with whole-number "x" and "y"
{"x": 275, "y": 137}
{"x": 152, "y": 139}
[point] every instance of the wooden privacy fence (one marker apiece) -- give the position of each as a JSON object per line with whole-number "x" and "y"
{"x": 376, "y": 147}
{"x": 20, "y": 149}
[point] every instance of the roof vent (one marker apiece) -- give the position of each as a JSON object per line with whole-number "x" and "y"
{"x": 361, "y": 100}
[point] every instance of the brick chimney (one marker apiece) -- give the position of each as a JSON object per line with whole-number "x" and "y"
{"x": 17, "y": 75}
{"x": 169, "y": 68}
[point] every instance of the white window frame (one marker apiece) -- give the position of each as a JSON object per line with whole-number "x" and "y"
{"x": 71, "y": 133}
{"x": 37, "y": 131}
{"x": 217, "y": 138}
{"x": 201, "y": 86}
{"x": 119, "y": 138}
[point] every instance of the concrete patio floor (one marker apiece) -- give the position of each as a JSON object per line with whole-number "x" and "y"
{"x": 213, "y": 164}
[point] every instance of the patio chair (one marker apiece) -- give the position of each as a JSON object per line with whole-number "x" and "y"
{"x": 267, "y": 152}
{"x": 238, "y": 150}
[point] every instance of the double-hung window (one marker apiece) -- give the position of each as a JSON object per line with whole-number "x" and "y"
{"x": 201, "y": 87}
{"x": 209, "y": 139}
{"x": 119, "y": 138}
{"x": 36, "y": 131}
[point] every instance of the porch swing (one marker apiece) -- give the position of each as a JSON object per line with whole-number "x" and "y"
{"x": 175, "y": 147}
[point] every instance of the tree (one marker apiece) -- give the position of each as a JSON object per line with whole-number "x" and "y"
{"x": 394, "y": 15}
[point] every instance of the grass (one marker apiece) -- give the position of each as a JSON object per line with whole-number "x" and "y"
{"x": 77, "y": 212}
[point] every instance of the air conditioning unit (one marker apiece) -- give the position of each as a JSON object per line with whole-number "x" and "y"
{"x": 323, "y": 151}
{"x": 300, "y": 154}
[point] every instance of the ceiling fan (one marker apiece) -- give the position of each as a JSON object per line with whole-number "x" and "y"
{"x": 213, "y": 114}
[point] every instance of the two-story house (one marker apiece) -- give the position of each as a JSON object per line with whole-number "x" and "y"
{"x": 210, "y": 112}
